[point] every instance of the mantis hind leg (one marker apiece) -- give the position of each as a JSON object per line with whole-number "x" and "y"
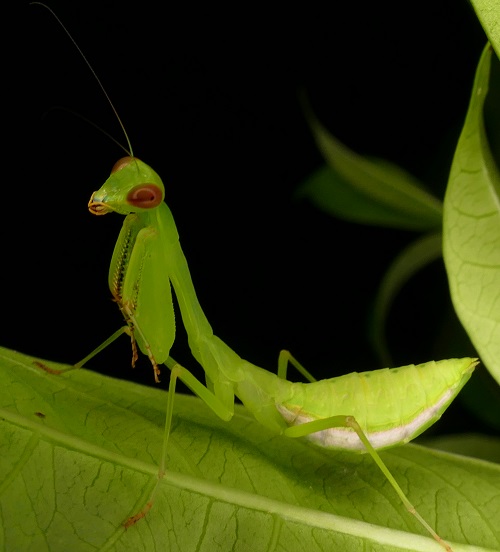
{"x": 286, "y": 358}
{"x": 350, "y": 422}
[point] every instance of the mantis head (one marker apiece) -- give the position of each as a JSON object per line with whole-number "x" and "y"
{"x": 132, "y": 187}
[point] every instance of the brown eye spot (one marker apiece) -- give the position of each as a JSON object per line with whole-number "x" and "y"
{"x": 121, "y": 164}
{"x": 145, "y": 196}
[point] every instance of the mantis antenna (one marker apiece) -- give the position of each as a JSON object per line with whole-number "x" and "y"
{"x": 101, "y": 86}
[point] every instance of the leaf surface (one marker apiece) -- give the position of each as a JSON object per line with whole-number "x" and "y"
{"x": 471, "y": 229}
{"x": 488, "y": 13}
{"x": 79, "y": 454}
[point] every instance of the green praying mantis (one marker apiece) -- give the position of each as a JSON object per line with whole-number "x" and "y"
{"x": 357, "y": 412}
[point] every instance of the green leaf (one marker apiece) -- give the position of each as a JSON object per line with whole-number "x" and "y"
{"x": 471, "y": 444}
{"x": 353, "y": 181}
{"x": 413, "y": 258}
{"x": 471, "y": 232}
{"x": 330, "y": 192}
{"x": 488, "y": 13}
{"x": 79, "y": 455}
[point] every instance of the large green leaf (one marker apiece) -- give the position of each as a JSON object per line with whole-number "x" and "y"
{"x": 471, "y": 229}
{"x": 79, "y": 455}
{"x": 488, "y": 13}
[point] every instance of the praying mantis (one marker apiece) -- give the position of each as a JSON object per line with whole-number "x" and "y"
{"x": 358, "y": 412}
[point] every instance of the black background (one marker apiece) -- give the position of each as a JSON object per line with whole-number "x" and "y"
{"x": 209, "y": 99}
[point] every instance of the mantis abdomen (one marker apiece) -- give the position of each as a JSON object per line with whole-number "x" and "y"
{"x": 392, "y": 406}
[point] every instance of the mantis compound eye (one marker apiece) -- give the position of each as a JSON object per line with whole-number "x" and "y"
{"x": 145, "y": 196}
{"x": 121, "y": 164}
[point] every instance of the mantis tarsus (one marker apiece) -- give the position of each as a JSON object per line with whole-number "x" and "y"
{"x": 148, "y": 262}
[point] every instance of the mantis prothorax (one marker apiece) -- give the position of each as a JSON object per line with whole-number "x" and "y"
{"x": 148, "y": 262}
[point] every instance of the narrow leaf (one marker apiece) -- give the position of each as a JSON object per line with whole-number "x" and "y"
{"x": 380, "y": 182}
{"x": 331, "y": 192}
{"x": 413, "y": 258}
